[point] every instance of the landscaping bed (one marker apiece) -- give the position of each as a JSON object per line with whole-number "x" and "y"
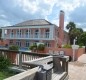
{"x": 6, "y": 73}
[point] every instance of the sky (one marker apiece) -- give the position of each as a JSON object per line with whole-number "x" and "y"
{"x": 16, "y": 11}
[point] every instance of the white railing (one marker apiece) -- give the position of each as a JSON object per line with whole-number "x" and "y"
{"x": 27, "y": 37}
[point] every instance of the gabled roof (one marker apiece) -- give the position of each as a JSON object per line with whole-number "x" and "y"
{"x": 35, "y": 22}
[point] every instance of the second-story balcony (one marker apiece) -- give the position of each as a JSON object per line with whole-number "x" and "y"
{"x": 32, "y": 36}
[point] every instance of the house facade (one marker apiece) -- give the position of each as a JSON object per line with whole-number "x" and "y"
{"x": 36, "y": 31}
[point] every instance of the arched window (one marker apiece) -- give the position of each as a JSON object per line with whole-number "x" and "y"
{"x": 47, "y": 33}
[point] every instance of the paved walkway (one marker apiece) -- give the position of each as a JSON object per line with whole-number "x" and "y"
{"x": 82, "y": 58}
{"x": 77, "y": 71}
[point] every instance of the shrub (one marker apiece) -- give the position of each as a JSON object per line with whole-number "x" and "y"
{"x": 14, "y": 47}
{"x": 41, "y": 47}
{"x": 4, "y": 63}
{"x": 80, "y": 45}
{"x": 33, "y": 47}
{"x": 67, "y": 46}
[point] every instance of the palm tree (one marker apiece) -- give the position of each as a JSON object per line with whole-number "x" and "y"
{"x": 74, "y": 32}
{"x": 71, "y": 26}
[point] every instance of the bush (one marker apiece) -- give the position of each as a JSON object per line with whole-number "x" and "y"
{"x": 67, "y": 46}
{"x": 80, "y": 45}
{"x": 33, "y": 47}
{"x": 41, "y": 47}
{"x": 4, "y": 63}
{"x": 14, "y": 47}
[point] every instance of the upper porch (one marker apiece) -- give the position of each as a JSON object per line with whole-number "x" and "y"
{"x": 46, "y": 32}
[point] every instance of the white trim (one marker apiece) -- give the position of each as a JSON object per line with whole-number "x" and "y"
{"x": 23, "y": 27}
{"x": 27, "y": 38}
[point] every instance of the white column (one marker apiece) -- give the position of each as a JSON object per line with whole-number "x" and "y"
{"x": 19, "y": 33}
{"x": 39, "y": 34}
{"x": 51, "y": 32}
{"x": 3, "y": 32}
{"x": 10, "y": 33}
{"x": 28, "y": 33}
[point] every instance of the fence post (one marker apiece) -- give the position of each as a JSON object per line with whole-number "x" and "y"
{"x": 20, "y": 60}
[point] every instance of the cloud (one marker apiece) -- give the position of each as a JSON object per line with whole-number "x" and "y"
{"x": 15, "y": 11}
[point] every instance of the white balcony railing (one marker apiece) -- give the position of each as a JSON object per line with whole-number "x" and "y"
{"x": 43, "y": 36}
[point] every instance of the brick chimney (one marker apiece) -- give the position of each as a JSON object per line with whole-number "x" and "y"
{"x": 61, "y": 28}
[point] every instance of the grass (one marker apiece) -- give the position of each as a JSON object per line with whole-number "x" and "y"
{"x": 6, "y": 74}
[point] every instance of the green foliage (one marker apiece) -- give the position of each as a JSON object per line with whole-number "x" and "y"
{"x": 80, "y": 45}
{"x": 73, "y": 31}
{"x": 41, "y": 47}
{"x": 67, "y": 46}
{"x": 14, "y": 47}
{"x": 4, "y": 63}
{"x": 33, "y": 47}
{"x": 82, "y": 38}
{"x": 6, "y": 73}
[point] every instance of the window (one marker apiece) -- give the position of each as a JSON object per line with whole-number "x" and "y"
{"x": 26, "y": 33}
{"x": 18, "y": 43}
{"x": 30, "y": 33}
{"x": 47, "y": 33}
{"x": 20, "y": 33}
{"x": 12, "y": 34}
{"x": 27, "y": 44}
{"x": 11, "y": 42}
{"x": 47, "y": 44}
{"x": 36, "y": 33}
{"x": 17, "y": 33}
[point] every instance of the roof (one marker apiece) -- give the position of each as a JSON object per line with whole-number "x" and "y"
{"x": 35, "y": 22}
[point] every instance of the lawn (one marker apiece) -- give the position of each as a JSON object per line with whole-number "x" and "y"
{"x": 6, "y": 74}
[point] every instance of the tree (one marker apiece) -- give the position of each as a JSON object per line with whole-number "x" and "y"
{"x": 73, "y": 32}
{"x": 82, "y": 38}
{"x": 71, "y": 27}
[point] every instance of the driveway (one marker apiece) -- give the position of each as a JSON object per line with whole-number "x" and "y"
{"x": 77, "y": 71}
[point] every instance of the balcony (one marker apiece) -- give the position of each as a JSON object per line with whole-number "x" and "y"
{"x": 35, "y": 37}
{"x": 34, "y": 66}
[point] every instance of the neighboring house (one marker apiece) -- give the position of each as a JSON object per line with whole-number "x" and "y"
{"x": 34, "y": 31}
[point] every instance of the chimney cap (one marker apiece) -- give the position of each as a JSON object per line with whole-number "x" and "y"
{"x": 61, "y": 11}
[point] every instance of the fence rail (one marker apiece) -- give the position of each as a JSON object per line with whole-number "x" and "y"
{"x": 17, "y": 57}
{"x": 45, "y": 62}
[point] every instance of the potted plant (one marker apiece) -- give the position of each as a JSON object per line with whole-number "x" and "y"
{"x": 12, "y": 55}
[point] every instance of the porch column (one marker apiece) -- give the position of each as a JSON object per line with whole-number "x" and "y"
{"x": 39, "y": 36}
{"x": 3, "y": 33}
{"x": 28, "y": 33}
{"x": 51, "y": 32}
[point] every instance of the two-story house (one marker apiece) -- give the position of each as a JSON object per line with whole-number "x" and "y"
{"x": 34, "y": 31}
